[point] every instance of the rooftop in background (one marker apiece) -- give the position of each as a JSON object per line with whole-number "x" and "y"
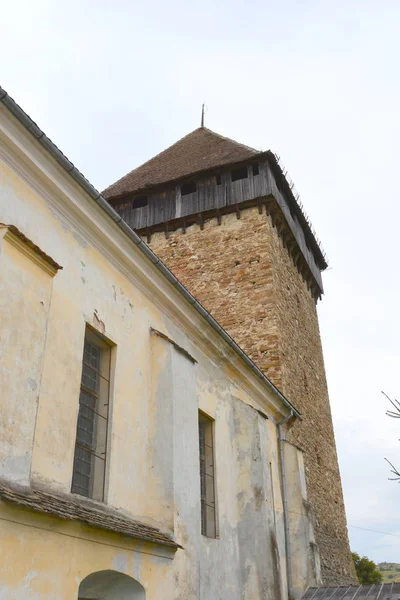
{"x": 379, "y": 591}
{"x": 200, "y": 150}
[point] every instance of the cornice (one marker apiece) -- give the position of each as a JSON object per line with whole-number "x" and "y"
{"x": 16, "y": 238}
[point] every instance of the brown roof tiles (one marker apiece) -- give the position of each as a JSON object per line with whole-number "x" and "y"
{"x": 75, "y": 508}
{"x": 200, "y": 150}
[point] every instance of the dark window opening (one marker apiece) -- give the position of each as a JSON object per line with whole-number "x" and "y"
{"x": 139, "y": 202}
{"x": 239, "y": 174}
{"x": 218, "y": 179}
{"x": 256, "y": 170}
{"x": 207, "y": 476}
{"x": 188, "y": 188}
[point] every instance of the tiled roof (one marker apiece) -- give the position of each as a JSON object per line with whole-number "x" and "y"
{"x": 380, "y": 591}
{"x": 200, "y": 150}
{"x": 75, "y": 508}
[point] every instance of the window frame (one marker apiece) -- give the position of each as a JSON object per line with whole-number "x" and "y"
{"x": 205, "y": 418}
{"x": 93, "y": 337}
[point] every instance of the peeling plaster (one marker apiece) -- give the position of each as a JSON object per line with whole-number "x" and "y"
{"x": 153, "y": 462}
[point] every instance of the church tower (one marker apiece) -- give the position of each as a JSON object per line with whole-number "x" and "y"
{"x": 224, "y": 219}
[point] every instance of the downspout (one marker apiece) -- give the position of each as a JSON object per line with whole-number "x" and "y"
{"x": 285, "y": 504}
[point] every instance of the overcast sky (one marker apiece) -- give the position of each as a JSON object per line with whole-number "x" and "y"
{"x": 114, "y": 83}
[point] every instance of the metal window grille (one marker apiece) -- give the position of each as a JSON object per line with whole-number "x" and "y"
{"x": 91, "y": 433}
{"x": 207, "y": 477}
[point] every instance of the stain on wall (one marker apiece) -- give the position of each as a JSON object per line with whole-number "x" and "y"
{"x": 152, "y": 469}
{"x": 241, "y": 272}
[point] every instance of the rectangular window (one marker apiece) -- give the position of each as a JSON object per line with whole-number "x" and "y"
{"x": 207, "y": 476}
{"x": 92, "y": 426}
{"x": 188, "y": 188}
{"x": 256, "y": 170}
{"x": 139, "y": 202}
{"x": 240, "y": 173}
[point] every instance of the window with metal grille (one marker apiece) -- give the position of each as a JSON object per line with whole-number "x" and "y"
{"x": 207, "y": 476}
{"x": 91, "y": 432}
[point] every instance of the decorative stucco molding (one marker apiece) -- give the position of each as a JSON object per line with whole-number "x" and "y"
{"x": 17, "y": 239}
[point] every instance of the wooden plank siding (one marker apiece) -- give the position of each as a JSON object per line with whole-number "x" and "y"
{"x": 295, "y": 227}
{"x": 169, "y": 205}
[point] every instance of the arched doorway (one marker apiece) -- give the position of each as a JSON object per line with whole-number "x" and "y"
{"x": 110, "y": 585}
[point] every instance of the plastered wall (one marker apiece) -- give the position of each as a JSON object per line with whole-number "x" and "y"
{"x": 156, "y": 392}
{"x": 241, "y": 272}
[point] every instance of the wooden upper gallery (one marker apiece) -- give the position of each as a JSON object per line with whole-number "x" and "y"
{"x": 205, "y": 175}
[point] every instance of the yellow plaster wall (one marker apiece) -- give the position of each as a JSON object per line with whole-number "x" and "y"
{"x": 90, "y": 289}
{"x": 155, "y": 396}
{"x": 43, "y": 558}
{"x": 25, "y": 292}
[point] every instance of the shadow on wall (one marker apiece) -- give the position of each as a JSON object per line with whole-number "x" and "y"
{"x": 110, "y": 585}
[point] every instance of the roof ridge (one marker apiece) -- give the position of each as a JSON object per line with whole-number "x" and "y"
{"x": 231, "y": 140}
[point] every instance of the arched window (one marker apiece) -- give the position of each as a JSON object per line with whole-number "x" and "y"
{"x": 110, "y": 585}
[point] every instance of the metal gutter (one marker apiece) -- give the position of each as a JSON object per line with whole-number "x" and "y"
{"x": 285, "y": 505}
{"x": 69, "y": 167}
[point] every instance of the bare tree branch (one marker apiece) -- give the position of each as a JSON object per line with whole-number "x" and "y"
{"x": 396, "y": 404}
{"x": 394, "y": 415}
{"x": 394, "y": 471}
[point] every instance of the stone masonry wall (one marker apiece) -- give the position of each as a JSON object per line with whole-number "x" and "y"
{"x": 241, "y": 272}
{"x": 304, "y": 382}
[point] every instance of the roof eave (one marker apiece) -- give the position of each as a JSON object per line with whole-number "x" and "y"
{"x": 318, "y": 253}
{"x": 189, "y": 176}
{"x": 69, "y": 167}
{"x": 310, "y": 236}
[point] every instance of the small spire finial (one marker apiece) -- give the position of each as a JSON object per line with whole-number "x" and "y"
{"x": 202, "y": 115}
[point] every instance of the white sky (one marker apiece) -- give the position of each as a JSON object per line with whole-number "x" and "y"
{"x": 114, "y": 83}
